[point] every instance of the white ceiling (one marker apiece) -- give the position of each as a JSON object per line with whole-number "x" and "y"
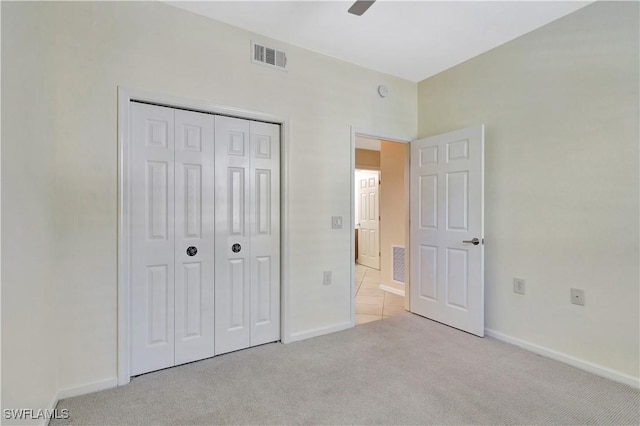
{"x": 409, "y": 39}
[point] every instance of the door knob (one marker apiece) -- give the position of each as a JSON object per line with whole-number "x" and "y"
{"x": 475, "y": 241}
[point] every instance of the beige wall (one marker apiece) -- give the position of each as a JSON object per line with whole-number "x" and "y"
{"x": 29, "y": 251}
{"x": 561, "y": 111}
{"x": 62, "y": 63}
{"x": 367, "y": 159}
{"x": 392, "y": 205}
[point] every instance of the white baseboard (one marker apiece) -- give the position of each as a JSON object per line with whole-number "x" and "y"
{"x": 82, "y": 390}
{"x": 590, "y": 367}
{"x": 88, "y": 388}
{"x": 303, "y": 335}
{"x": 392, "y": 290}
{"x": 52, "y": 405}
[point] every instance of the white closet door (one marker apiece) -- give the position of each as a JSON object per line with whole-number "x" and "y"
{"x": 233, "y": 228}
{"x": 265, "y": 232}
{"x": 152, "y": 238}
{"x": 194, "y": 244}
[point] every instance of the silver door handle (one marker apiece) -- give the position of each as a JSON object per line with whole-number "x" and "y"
{"x": 475, "y": 241}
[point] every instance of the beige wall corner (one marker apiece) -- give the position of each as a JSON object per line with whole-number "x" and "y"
{"x": 392, "y": 206}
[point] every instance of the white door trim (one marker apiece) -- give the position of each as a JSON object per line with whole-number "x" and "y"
{"x": 377, "y": 135}
{"x": 125, "y": 96}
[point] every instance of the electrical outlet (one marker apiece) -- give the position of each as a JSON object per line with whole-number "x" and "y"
{"x": 326, "y": 277}
{"x": 577, "y": 296}
{"x": 336, "y": 222}
{"x": 518, "y": 285}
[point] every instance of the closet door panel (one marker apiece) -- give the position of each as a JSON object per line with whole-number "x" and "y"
{"x": 194, "y": 236}
{"x": 232, "y": 234}
{"x": 265, "y": 232}
{"x": 152, "y": 238}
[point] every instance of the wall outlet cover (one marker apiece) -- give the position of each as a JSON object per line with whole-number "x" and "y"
{"x": 326, "y": 277}
{"x": 518, "y": 285}
{"x": 336, "y": 222}
{"x": 577, "y": 296}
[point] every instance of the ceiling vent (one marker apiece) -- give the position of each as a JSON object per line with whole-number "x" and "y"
{"x": 268, "y": 56}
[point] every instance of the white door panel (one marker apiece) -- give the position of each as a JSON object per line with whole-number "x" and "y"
{"x": 152, "y": 238}
{"x": 232, "y": 235}
{"x": 369, "y": 219}
{"x": 447, "y": 282}
{"x": 194, "y": 212}
{"x": 265, "y": 232}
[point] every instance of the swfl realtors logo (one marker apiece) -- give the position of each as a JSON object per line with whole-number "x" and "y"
{"x": 31, "y": 414}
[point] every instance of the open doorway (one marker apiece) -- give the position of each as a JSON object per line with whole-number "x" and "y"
{"x": 380, "y": 214}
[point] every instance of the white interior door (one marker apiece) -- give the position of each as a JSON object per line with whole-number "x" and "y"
{"x": 447, "y": 229}
{"x": 194, "y": 244}
{"x": 369, "y": 219}
{"x": 247, "y": 293}
{"x": 152, "y": 238}
{"x": 172, "y": 246}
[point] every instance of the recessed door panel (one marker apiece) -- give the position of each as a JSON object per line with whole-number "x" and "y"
{"x": 428, "y": 270}
{"x": 157, "y": 308}
{"x": 458, "y": 201}
{"x": 235, "y": 195}
{"x": 456, "y": 280}
{"x": 428, "y": 202}
{"x": 236, "y": 283}
{"x": 192, "y": 299}
{"x": 193, "y": 200}
{"x": 264, "y": 289}
{"x": 157, "y": 135}
{"x": 263, "y": 202}
{"x": 458, "y": 150}
{"x": 157, "y": 199}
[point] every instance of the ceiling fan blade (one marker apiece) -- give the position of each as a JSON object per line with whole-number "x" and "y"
{"x": 360, "y": 7}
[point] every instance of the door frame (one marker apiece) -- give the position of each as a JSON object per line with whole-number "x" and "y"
{"x": 125, "y": 96}
{"x": 355, "y": 131}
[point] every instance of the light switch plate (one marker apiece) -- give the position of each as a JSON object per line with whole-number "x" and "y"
{"x": 336, "y": 222}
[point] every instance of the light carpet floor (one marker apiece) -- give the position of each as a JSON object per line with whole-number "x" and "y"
{"x": 401, "y": 370}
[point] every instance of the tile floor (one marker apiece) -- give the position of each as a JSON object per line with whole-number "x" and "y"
{"x": 372, "y": 303}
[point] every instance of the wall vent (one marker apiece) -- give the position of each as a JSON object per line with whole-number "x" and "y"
{"x": 398, "y": 270}
{"x": 268, "y": 56}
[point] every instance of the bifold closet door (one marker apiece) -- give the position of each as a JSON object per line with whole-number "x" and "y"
{"x": 247, "y": 291}
{"x": 194, "y": 236}
{"x": 171, "y": 165}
